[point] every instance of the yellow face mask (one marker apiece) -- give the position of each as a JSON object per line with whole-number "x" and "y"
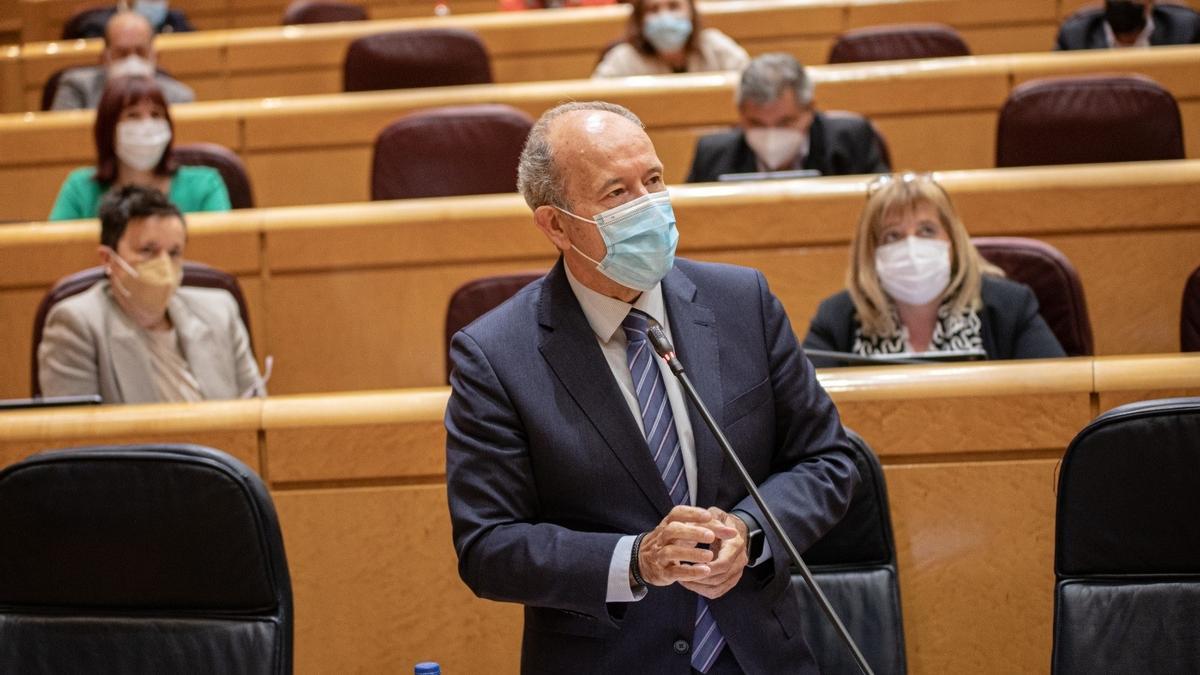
{"x": 145, "y": 290}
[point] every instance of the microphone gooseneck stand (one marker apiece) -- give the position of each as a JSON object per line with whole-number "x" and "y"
{"x": 658, "y": 338}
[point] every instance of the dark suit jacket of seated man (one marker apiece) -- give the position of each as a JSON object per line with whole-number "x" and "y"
{"x": 840, "y": 146}
{"x": 1173, "y": 25}
{"x": 548, "y": 469}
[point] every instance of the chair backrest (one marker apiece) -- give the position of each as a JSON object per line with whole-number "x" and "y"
{"x": 147, "y": 559}
{"x": 899, "y": 41}
{"x": 480, "y": 296}
{"x": 1189, "y": 316}
{"x": 1054, "y": 281}
{"x": 855, "y": 566}
{"x": 194, "y": 274}
{"x": 452, "y": 151}
{"x": 1087, "y": 120}
{"x": 1127, "y": 543}
{"x": 51, "y": 88}
{"x": 322, "y": 11}
{"x": 87, "y": 23}
{"x": 883, "y": 145}
{"x": 225, "y": 161}
{"x": 431, "y": 57}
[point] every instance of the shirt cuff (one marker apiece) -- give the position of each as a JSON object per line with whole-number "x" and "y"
{"x": 619, "y": 589}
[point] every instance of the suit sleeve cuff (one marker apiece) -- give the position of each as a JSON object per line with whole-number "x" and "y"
{"x": 619, "y": 589}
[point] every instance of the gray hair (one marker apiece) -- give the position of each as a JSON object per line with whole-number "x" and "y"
{"x": 766, "y": 77}
{"x": 538, "y": 178}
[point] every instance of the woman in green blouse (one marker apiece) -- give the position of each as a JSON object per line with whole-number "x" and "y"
{"x": 133, "y": 146}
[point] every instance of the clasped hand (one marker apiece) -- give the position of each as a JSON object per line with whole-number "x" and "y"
{"x": 670, "y": 552}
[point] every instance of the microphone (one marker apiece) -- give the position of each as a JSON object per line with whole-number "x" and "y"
{"x": 658, "y": 339}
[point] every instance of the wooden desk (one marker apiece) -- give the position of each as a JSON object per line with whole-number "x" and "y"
{"x": 353, "y": 297}
{"x": 526, "y": 46}
{"x": 935, "y": 116}
{"x": 970, "y": 454}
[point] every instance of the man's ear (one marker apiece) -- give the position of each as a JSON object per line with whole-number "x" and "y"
{"x": 552, "y": 223}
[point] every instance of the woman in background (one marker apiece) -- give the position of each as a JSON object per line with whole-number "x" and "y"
{"x": 916, "y": 284}
{"x": 666, "y": 36}
{"x": 134, "y": 136}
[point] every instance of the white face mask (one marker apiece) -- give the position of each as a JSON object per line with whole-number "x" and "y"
{"x": 914, "y": 271}
{"x": 130, "y": 66}
{"x": 140, "y": 143}
{"x": 777, "y": 147}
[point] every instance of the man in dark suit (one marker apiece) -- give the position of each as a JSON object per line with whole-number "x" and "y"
{"x": 581, "y": 482}
{"x": 781, "y": 130}
{"x": 1123, "y": 23}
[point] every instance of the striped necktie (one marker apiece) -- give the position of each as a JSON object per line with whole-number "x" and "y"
{"x": 663, "y": 440}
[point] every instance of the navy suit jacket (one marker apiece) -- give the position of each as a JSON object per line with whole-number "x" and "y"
{"x": 1010, "y": 324}
{"x": 838, "y": 146}
{"x": 1173, "y": 25}
{"x": 547, "y": 469}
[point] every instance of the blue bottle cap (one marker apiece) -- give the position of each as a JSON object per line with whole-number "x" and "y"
{"x": 427, "y": 668}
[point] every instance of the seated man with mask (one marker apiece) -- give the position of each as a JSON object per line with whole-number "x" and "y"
{"x": 780, "y": 130}
{"x": 138, "y": 337}
{"x": 1129, "y": 23}
{"x": 128, "y": 50}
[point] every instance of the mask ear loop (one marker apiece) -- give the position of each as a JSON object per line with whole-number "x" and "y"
{"x": 112, "y": 255}
{"x": 573, "y": 246}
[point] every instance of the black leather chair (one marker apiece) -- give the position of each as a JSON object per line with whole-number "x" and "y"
{"x": 1127, "y": 543}
{"x": 855, "y": 565}
{"x": 141, "y": 559}
{"x": 194, "y": 274}
{"x": 478, "y": 297}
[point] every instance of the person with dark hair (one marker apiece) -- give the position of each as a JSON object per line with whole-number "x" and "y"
{"x": 134, "y": 135}
{"x": 666, "y": 36}
{"x": 1129, "y": 23}
{"x": 138, "y": 337}
{"x": 781, "y": 129}
{"x": 128, "y": 50}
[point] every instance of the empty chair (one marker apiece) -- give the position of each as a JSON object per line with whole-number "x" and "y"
{"x": 1054, "y": 281}
{"x": 855, "y": 565}
{"x": 1127, "y": 543}
{"x": 479, "y": 296}
{"x": 322, "y": 11}
{"x": 194, "y": 274}
{"x": 1085, "y": 120}
{"x": 900, "y": 41}
{"x": 1189, "y": 316}
{"x": 141, "y": 559}
{"x": 225, "y": 161}
{"x": 443, "y": 152}
{"x": 433, "y": 57}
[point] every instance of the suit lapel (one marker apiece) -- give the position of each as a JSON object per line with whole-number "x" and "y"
{"x": 196, "y": 341}
{"x": 569, "y": 345}
{"x": 817, "y": 149}
{"x": 129, "y": 354}
{"x": 745, "y": 160}
{"x": 693, "y": 327}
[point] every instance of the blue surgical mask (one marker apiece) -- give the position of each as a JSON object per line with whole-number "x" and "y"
{"x": 640, "y": 238}
{"x": 667, "y": 32}
{"x": 155, "y": 11}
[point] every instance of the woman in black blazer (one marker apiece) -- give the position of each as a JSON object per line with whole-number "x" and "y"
{"x": 916, "y": 284}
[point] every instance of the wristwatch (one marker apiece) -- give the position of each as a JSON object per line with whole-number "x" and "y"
{"x": 755, "y": 536}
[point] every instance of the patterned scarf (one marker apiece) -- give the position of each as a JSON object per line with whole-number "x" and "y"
{"x": 953, "y": 332}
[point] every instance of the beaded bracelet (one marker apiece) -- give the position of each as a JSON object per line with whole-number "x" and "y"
{"x": 634, "y": 567}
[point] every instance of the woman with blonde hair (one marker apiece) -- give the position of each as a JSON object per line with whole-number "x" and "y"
{"x": 916, "y": 284}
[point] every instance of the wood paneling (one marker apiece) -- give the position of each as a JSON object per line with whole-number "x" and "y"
{"x": 935, "y": 115}
{"x": 970, "y": 454}
{"x": 354, "y": 297}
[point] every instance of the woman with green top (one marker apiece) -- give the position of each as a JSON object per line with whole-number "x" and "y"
{"x": 133, "y": 147}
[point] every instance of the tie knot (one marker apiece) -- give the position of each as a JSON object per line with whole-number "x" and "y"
{"x": 636, "y": 324}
